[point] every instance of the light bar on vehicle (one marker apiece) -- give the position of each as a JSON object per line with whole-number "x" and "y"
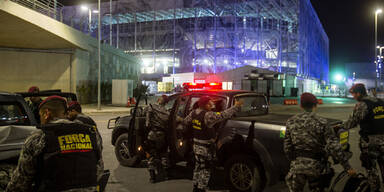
{"x": 202, "y": 86}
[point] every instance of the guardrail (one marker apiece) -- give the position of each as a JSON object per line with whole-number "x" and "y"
{"x": 380, "y": 95}
{"x": 50, "y": 8}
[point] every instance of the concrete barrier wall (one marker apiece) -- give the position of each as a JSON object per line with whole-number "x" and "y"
{"x": 36, "y": 50}
{"x": 22, "y": 69}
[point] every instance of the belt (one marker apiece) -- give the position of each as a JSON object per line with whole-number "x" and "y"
{"x": 309, "y": 154}
{"x": 203, "y": 142}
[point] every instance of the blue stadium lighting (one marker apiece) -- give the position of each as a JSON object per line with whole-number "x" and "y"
{"x": 216, "y": 37}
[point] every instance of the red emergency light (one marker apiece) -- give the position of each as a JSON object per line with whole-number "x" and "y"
{"x": 202, "y": 86}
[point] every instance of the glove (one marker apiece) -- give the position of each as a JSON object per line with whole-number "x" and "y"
{"x": 338, "y": 127}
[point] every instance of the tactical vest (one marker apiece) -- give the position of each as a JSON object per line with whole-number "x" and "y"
{"x": 85, "y": 119}
{"x": 373, "y": 122}
{"x": 69, "y": 159}
{"x": 200, "y": 129}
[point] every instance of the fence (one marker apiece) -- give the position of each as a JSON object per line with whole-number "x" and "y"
{"x": 50, "y": 8}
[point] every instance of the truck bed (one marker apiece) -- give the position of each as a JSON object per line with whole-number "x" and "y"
{"x": 276, "y": 119}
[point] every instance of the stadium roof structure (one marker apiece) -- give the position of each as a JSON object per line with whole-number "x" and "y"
{"x": 271, "y": 9}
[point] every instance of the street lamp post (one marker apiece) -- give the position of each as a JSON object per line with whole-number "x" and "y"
{"x": 379, "y": 62}
{"x": 99, "y": 57}
{"x": 378, "y": 11}
{"x": 85, "y": 8}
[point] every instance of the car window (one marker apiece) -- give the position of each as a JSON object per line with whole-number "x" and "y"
{"x": 13, "y": 114}
{"x": 220, "y": 103}
{"x": 170, "y": 103}
{"x": 181, "y": 107}
{"x": 28, "y": 99}
{"x": 253, "y": 105}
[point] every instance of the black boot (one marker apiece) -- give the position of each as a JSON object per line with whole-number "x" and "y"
{"x": 165, "y": 174}
{"x": 195, "y": 189}
{"x": 152, "y": 176}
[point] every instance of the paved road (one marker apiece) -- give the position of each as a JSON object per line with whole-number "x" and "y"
{"x": 124, "y": 179}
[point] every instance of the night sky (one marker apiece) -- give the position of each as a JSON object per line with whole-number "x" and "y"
{"x": 350, "y": 28}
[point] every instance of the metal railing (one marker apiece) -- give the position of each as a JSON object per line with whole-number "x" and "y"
{"x": 50, "y": 8}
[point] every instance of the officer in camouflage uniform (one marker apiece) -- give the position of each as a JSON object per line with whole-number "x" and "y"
{"x": 369, "y": 114}
{"x": 156, "y": 144}
{"x": 308, "y": 142}
{"x": 75, "y": 113}
{"x": 34, "y": 103}
{"x": 201, "y": 121}
{"x": 61, "y": 156}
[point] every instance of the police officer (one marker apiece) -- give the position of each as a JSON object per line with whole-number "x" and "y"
{"x": 75, "y": 113}
{"x": 61, "y": 156}
{"x": 308, "y": 142}
{"x": 34, "y": 103}
{"x": 369, "y": 114}
{"x": 156, "y": 144}
{"x": 202, "y": 121}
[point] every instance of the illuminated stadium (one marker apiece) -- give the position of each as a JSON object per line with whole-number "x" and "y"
{"x": 212, "y": 36}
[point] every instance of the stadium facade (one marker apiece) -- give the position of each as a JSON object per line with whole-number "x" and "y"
{"x": 213, "y": 36}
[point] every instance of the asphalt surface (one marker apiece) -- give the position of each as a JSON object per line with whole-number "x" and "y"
{"x": 125, "y": 179}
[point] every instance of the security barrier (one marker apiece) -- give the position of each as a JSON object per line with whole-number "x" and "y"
{"x": 290, "y": 101}
{"x": 131, "y": 102}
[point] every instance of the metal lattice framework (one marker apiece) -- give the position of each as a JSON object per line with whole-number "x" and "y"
{"x": 216, "y": 35}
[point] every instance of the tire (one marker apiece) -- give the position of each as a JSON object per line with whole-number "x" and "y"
{"x": 123, "y": 155}
{"x": 244, "y": 174}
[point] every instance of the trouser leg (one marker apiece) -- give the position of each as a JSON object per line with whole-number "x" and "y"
{"x": 369, "y": 162}
{"x": 295, "y": 182}
{"x": 315, "y": 184}
{"x": 202, "y": 171}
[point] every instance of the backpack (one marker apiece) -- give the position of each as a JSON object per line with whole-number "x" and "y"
{"x": 346, "y": 183}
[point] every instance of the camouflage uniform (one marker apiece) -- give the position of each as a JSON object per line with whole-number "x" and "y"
{"x": 371, "y": 146}
{"x": 308, "y": 134}
{"x": 85, "y": 119}
{"x": 6, "y": 171}
{"x": 23, "y": 177}
{"x": 204, "y": 150}
{"x": 156, "y": 120}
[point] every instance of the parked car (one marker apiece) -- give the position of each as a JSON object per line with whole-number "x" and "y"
{"x": 17, "y": 121}
{"x": 249, "y": 146}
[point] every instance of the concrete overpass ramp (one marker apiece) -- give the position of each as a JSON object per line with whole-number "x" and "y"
{"x": 22, "y": 27}
{"x": 37, "y": 50}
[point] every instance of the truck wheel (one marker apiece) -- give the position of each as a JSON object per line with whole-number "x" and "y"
{"x": 124, "y": 156}
{"x": 243, "y": 174}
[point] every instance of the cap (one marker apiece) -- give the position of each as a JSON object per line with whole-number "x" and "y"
{"x": 53, "y": 98}
{"x": 308, "y": 98}
{"x": 203, "y": 101}
{"x": 33, "y": 89}
{"x": 358, "y": 88}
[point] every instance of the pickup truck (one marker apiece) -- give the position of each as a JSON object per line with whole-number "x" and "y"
{"x": 249, "y": 146}
{"x": 17, "y": 121}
